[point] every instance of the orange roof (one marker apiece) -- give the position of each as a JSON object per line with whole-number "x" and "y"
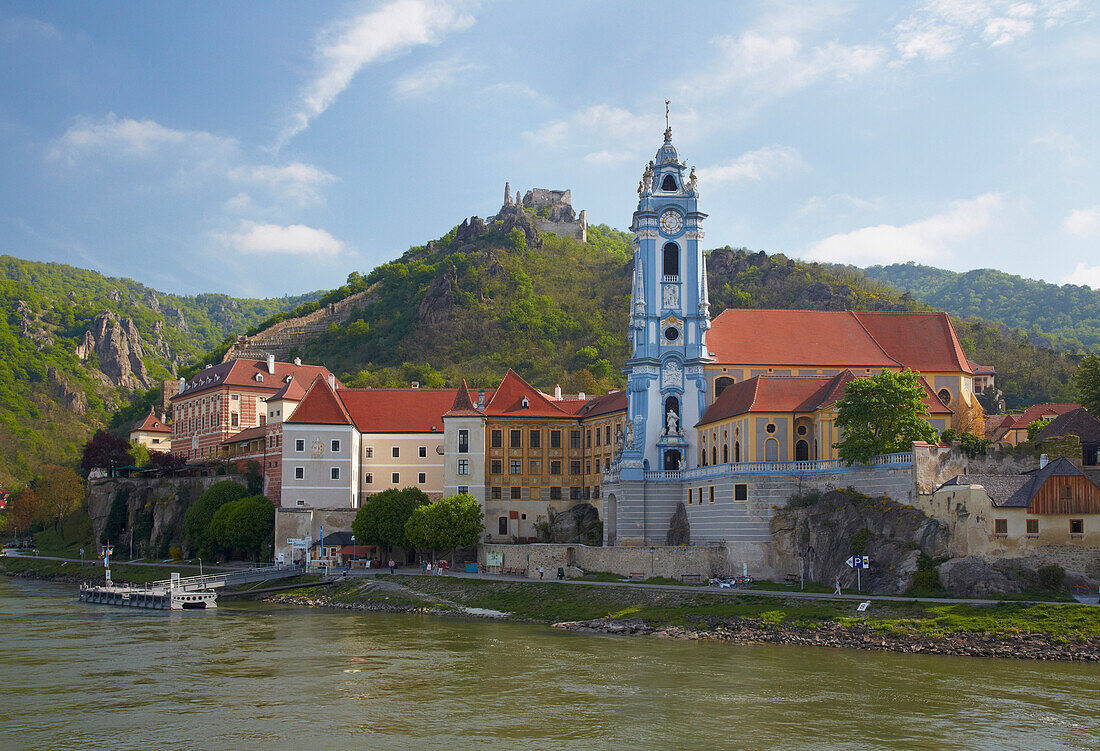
{"x": 242, "y": 373}
{"x": 463, "y": 405}
{"x": 920, "y": 341}
{"x": 826, "y": 338}
{"x": 1037, "y": 412}
{"x": 151, "y": 424}
{"x": 396, "y": 410}
{"x": 291, "y": 391}
{"x": 598, "y": 406}
{"x": 508, "y": 398}
{"x": 247, "y": 434}
{"x": 320, "y": 406}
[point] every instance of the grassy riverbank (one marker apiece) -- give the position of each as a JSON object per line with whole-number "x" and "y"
{"x": 73, "y": 571}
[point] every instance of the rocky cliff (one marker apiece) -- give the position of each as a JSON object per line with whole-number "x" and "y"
{"x": 118, "y": 350}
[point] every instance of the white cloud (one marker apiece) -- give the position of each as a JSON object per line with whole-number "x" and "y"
{"x": 274, "y": 239}
{"x": 1085, "y": 275}
{"x": 519, "y": 89}
{"x": 939, "y": 27}
{"x": 431, "y": 77}
{"x": 124, "y": 137}
{"x": 382, "y": 33}
{"x": 833, "y": 204}
{"x": 238, "y": 203}
{"x": 923, "y": 241}
{"x": 605, "y": 157}
{"x": 753, "y": 165}
{"x": 296, "y": 181}
{"x": 1082, "y": 222}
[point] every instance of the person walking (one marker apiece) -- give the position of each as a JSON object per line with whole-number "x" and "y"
{"x": 541, "y": 572}
{"x": 837, "y": 590}
{"x": 428, "y": 568}
{"x": 391, "y": 565}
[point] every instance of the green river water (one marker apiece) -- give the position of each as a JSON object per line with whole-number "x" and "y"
{"x": 260, "y": 676}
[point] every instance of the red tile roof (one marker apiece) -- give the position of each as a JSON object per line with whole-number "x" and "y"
{"x": 291, "y": 391}
{"x": 781, "y": 338}
{"x": 151, "y": 424}
{"x": 507, "y": 400}
{"x": 397, "y": 410}
{"x": 598, "y": 406}
{"x": 242, "y": 373}
{"x": 320, "y": 406}
{"x": 463, "y": 405}
{"x": 247, "y": 434}
{"x": 1037, "y": 412}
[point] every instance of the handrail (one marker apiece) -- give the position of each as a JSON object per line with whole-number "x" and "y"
{"x": 898, "y": 459}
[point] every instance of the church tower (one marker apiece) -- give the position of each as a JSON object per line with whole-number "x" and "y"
{"x": 669, "y": 319}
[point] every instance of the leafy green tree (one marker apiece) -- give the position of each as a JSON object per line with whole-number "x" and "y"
{"x": 1035, "y": 427}
{"x": 452, "y": 522}
{"x": 882, "y": 414}
{"x": 381, "y": 521}
{"x": 139, "y": 453}
{"x": 60, "y": 490}
{"x": 244, "y": 526}
{"x": 197, "y": 518}
{"x": 1087, "y": 379}
{"x": 973, "y": 445}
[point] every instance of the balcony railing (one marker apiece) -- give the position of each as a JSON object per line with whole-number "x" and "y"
{"x": 900, "y": 459}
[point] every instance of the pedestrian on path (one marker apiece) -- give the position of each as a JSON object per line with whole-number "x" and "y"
{"x": 429, "y": 568}
{"x": 541, "y": 572}
{"x": 837, "y": 591}
{"x": 391, "y": 565}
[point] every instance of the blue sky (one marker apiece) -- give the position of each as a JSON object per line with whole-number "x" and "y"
{"x": 267, "y": 148}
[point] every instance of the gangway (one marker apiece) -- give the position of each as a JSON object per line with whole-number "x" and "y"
{"x": 228, "y": 578}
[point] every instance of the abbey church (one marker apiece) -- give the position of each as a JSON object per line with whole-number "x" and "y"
{"x": 721, "y": 419}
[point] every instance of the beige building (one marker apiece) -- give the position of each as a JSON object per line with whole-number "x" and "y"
{"x": 152, "y": 433}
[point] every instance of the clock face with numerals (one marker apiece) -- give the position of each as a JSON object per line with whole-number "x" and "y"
{"x": 671, "y": 222}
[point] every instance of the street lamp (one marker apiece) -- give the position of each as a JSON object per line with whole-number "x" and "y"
{"x": 200, "y": 566}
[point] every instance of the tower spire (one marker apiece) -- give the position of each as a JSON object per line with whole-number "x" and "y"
{"x": 668, "y": 128}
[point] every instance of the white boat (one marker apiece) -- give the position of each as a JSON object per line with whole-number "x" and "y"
{"x": 199, "y": 600}
{"x": 149, "y": 598}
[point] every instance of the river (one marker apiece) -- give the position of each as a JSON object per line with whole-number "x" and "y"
{"x": 261, "y": 676}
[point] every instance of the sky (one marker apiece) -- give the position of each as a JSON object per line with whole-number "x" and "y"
{"x": 271, "y": 148}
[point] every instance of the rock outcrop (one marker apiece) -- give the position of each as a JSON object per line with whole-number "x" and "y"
{"x": 679, "y": 527}
{"x": 579, "y": 523}
{"x": 74, "y": 400}
{"x": 440, "y": 299}
{"x": 830, "y": 523}
{"x": 118, "y": 348}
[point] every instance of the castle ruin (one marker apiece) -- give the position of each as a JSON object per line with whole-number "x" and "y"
{"x": 552, "y": 211}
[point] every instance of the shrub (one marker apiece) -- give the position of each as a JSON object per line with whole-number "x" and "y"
{"x": 860, "y": 540}
{"x": 802, "y": 500}
{"x": 1052, "y": 577}
{"x": 927, "y": 580}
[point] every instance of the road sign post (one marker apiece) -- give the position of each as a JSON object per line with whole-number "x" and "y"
{"x": 859, "y": 562}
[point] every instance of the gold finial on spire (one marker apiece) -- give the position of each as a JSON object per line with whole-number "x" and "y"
{"x": 668, "y": 128}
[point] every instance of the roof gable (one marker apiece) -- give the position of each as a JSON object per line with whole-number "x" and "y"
{"x": 921, "y": 341}
{"x": 320, "y": 406}
{"x": 463, "y": 405}
{"x": 151, "y": 424}
{"x": 509, "y": 398}
{"x": 248, "y": 373}
{"x": 1040, "y": 412}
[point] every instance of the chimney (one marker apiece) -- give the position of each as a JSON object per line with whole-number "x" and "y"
{"x": 416, "y": 384}
{"x": 581, "y": 396}
{"x": 297, "y": 361}
{"x": 480, "y": 399}
{"x": 557, "y": 393}
{"x": 271, "y": 364}
{"x": 332, "y": 381}
{"x": 1044, "y": 460}
{"x": 183, "y": 385}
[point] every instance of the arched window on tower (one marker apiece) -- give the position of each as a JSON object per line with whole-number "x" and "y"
{"x": 669, "y": 183}
{"x": 737, "y": 451}
{"x": 720, "y": 385}
{"x": 672, "y": 261}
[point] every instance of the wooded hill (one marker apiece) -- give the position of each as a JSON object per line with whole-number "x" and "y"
{"x": 76, "y": 346}
{"x": 1063, "y": 317}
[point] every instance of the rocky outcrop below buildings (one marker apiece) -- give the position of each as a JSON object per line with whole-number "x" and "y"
{"x": 840, "y": 523}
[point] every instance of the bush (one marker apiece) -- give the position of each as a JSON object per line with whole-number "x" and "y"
{"x": 860, "y": 540}
{"x": 1052, "y": 577}
{"x": 927, "y": 580}
{"x": 802, "y": 500}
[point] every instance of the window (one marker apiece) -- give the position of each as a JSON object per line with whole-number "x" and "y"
{"x": 464, "y": 441}
{"x": 710, "y": 492}
{"x": 464, "y": 466}
{"x": 574, "y": 439}
{"x": 299, "y": 473}
{"x": 801, "y": 430}
{"x": 422, "y": 478}
{"x": 300, "y": 502}
{"x": 555, "y": 467}
{"x": 945, "y": 396}
{"x": 555, "y": 493}
{"x": 234, "y": 419}
{"x": 588, "y": 438}
{"x": 368, "y": 478}
{"x": 334, "y": 473}
{"x": 1033, "y": 526}
{"x": 607, "y": 435}
{"x": 502, "y": 525}
{"x": 555, "y": 439}
{"x": 515, "y": 467}
{"x": 669, "y": 183}
{"x": 395, "y": 478}
{"x": 770, "y": 428}
{"x": 234, "y": 397}
{"x": 497, "y": 438}
{"x": 741, "y": 492}
{"x": 299, "y": 444}
{"x": 368, "y": 452}
{"x": 495, "y": 467}
{"x": 465, "y": 489}
{"x": 396, "y": 451}
{"x": 495, "y": 493}
{"x": 515, "y": 438}
{"x": 534, "y": 438}
{"x": 422, "y": 451}
{"x": 1077, "y": 526}
{"x": 597, "y": 436}
{"x": 575, "y": 467}
{"x": 534, "y": 467}
{"x": 672, "y": 260}
{"x": 689, "y": 496}
{"x": 1000, "y": 526}
{"x": 588, "y": 467}
{"x": 575, "y": 494}
{"x": 1067, "y": 491}
{"x": 335, "y": 446}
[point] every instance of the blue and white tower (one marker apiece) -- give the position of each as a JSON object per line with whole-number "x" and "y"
{"x": 669, "y": 318}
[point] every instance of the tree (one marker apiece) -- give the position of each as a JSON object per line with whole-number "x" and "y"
{"x": 1035, "y": 427}
{"x": 60, "y": 490}
{"x": 382, "y": 520}
{"x": 881, "y": 415}
{"x": 24, "y": 510}
{"x": 104, "y": 451}
{"x": 244, "y": 526}
{"x": 196, "y": 521}
{"x": 166, "y": 461}
{"x": 452, "y": 522}
{"x": 139, "y": 453}
{"x": 1087, "y": 379}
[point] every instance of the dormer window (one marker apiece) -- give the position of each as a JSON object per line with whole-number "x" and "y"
{"x": 669, "y": 183}
{"x": 259, "y": 378}
{"x": 525, "y": 404}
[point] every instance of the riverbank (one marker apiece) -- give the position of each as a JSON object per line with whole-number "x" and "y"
{"x": 73, "y": 572}
{"x": 1009, "y": 629}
